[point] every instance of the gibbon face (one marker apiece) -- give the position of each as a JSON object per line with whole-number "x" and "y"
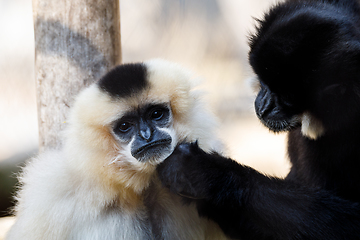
{"x": 144, "y": 126}
{"x": 132, "y": 119}
{"x": 147, "y": 131}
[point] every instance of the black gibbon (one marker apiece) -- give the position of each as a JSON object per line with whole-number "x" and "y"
{"x": 306, "y": 55}
{"x": 103, "y": 183}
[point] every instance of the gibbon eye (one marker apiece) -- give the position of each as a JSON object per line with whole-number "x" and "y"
{"x": 124, "y": 126}
{"x": 157, "y": 114}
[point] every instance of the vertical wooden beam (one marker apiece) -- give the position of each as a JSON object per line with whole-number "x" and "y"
{"x": 76, "y": 42}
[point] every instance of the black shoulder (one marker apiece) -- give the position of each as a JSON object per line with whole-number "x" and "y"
{"x": 125, "y": 80}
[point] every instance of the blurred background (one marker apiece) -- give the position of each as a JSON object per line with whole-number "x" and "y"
{"x": 207, "y": 36}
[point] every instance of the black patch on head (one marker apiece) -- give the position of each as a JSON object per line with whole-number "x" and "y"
{"x": 125, "y": 80}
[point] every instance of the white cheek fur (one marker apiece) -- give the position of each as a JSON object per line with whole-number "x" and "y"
{"x": 172, "y": 134}
{"x": 124, "y": 156}
{"x": 174, "y": 142}
{"x": 311, "y": 127}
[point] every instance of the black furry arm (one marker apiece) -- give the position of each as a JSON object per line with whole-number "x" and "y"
{"x": 250, "y": 205}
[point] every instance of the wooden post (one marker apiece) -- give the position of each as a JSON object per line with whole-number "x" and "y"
{"x": 76, "y": 42}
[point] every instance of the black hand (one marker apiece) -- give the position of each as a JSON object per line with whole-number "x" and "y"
{"x": 180, "y": 171}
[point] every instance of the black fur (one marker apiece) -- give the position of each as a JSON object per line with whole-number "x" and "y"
{"x": 125, "y": 80}
{"x": 307, "y": 57}
{"x": 249, "y": 205}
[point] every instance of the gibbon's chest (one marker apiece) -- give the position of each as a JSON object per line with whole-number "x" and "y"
{"x": 158, "y": 214}
{"x": 171, "y": 219}
{"x": 167, "y": 219}
{"x": 112, "y": 225}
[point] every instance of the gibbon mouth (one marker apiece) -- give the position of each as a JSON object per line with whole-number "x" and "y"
{"x": 150, "y": 148}
{"x": 281, "y": 125}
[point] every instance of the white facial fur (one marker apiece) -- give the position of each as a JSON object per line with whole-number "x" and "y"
{"x": 311, "y": 127}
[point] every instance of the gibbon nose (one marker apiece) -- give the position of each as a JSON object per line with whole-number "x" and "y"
{"x": 145, "y": 133}
{"x": 264, "y": 103}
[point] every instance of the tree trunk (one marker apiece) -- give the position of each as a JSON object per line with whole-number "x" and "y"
{"x": 76, "y": 42}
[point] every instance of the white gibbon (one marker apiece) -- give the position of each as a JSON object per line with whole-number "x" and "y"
{"x": 103, "y": 183}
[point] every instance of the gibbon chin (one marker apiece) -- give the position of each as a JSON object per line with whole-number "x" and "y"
{"x": 102, "y": 184}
